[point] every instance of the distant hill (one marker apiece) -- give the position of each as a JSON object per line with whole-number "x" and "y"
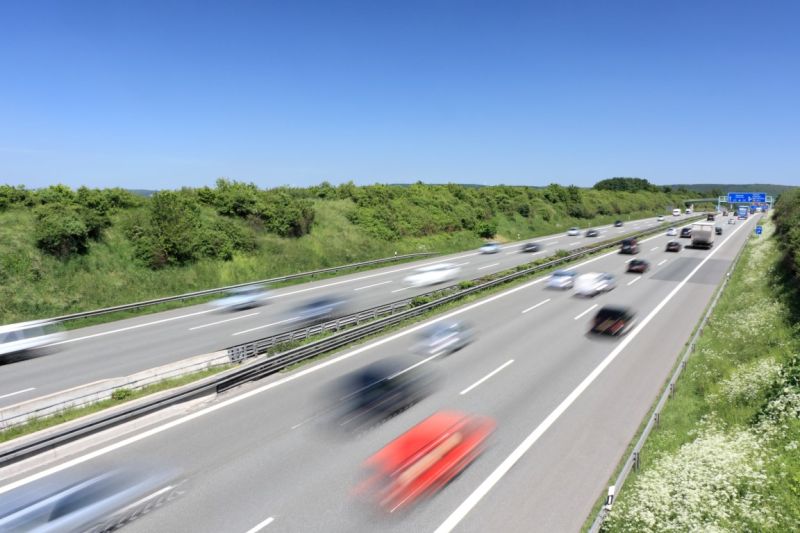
{"x": 147, "y": 193}
{"x": 717, "y": 188}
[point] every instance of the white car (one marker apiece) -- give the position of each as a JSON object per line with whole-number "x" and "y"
{"x": 28, "y": 339}
{"x": 672, "y": 232}
{"x": 561, "y": 279}
{"x": 489, "y": 248}
{"x": 573, "y": 232}
{"x": 432, "y": 275}
{"x": 660, "y": 218}
{"x": 594, "y": 283}
{"x": 243, "y": 298}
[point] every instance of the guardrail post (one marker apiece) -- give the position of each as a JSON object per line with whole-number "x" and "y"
{"x": 657, "y": 418}
{"x": 636, "y": 461}
{"x": 672, "y": 389}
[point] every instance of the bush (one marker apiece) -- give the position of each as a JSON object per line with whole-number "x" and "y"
{"x": 60, "y": 230}
{"x": 121, "y": 394}
{"x": 13, "y": 196}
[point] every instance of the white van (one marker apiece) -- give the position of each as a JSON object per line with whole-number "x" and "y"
{"x": 594, "y": 283}
{"x": 676, "y": 212}
{"x": 28, "y": 338}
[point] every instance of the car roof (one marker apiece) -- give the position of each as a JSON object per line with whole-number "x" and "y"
{"x": 614, "y": 310}
{"x": 26, "y": 325}
{"x": 565, "y": 273}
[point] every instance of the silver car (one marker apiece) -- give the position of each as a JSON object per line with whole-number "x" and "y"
{"x": 243, "y": 298}
{"x": 443, "y": 338}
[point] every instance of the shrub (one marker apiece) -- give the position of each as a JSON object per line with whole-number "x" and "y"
{"x": 60, "y": 230}
{"x": 121, "y": 394}
{"x": 487, "y": 230}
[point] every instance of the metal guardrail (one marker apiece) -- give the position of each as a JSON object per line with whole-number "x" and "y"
{"x": 634, "y": 459}
{"x": 189, "y": 295}
{"x": 278, "y": 362}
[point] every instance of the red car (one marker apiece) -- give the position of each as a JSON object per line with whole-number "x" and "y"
{"x": 423, "y": 459}
{"x": 638, "y": 265}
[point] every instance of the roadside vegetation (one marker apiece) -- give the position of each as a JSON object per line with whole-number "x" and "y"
{"x": 725, "y": 456}
{"x": 64, "y": 250}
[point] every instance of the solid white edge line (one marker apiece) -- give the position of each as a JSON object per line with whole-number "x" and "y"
{"x": 634, "y": 280}
{"x": 487, "y": 376}
{"x": 261, "y": 525}
{"x": 535, "y": 306}
{"x": 580, "y": 315}
{"x": 265, "y": 326}
{"x": 488, "y": 266}
{"x": 477, "y": 495}
{"x": 319, "y": 366}
{"x": 373, "y": 285}
{"x": 137, "y": 326}
{"x": 18, "y": 392}
{"x": 224, "y": 321}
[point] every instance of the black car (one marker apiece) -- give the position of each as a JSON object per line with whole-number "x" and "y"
{"x": 686, "y": 233}
{"x": 629, "y": 246}
{"x": 613, "y": 320}
{"x": 592, "y": 233}
{"x": 638, "y": 265}
{"x": 718, "y": 230}
{"x": 376, "y": 392}
{"x": 530, "y": 247}
{"x": 618, "y": 224}
{"x": 674, "y": 246}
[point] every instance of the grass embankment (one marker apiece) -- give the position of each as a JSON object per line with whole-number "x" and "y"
{"x": 119, "y": 397}
{"x": 36, "y": 285}
{"x": 725, "y": 456}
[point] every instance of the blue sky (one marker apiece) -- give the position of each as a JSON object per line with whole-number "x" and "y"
{"x": 164, "y": 94}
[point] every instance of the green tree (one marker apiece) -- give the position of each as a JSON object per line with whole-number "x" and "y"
{"x": 60, "y": 230}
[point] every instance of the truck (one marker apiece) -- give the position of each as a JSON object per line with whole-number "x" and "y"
{"x": 703, "y": 235}
{"x": 710, "y": 217}
{"x": 743, "y": 212}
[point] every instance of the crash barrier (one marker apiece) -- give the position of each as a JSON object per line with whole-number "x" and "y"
{"x": 261, "y": 368}
{"x": 634, "y": 459}
{"x": 189, "y": 295}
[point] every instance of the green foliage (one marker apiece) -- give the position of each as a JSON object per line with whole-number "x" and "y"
{"x": 625, "y": 184}
{"x": 787, "y": 228}
{"x": 11, "y": 195}
{"x": 121, "y": 394}
{"x": 60, "y": 230}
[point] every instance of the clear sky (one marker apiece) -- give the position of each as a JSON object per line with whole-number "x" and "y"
{"x": 161, "y": 94}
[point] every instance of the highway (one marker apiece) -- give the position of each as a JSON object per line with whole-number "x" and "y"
{"x": 128, "y": 346}
{"x": 566, "y": 406}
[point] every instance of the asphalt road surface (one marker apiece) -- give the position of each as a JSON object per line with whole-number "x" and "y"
{"x": 128, "y": 346}
{"x": 566, "y": 406}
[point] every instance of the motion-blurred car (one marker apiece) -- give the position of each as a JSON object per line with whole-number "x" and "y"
{"x": 613, "y": 320}
{"x": 424, "y": 459}
{"x": 672, "y": 232}
{"x": 674, "y": 246}
{"x": 561, "y": 279}
{"x": 629, "y": 246}
{"x": 592, "y": 233}
{"x": 489, "y": 248}
{"x": 529, "y": 247}
{"x": 321, "y": 309}
{"x": 573, "y": 232}
{"x": 28, "y": 339}
{"x": 718, "y": 230}
{"x": 618, "y": 224}
{"x": 245, "y": 297}
{"x": 638, "y": 265}
{"x": 443, "y": 338}
{"x": 100, "y": 502}
{"x": 593, "y": 283}
{"x": 432, "y": 275}
{"x": 686, "y": 233}
{"x": 731, "y": 221}
{"x": 660, "y": 218}
{"x": 378, "y": 391}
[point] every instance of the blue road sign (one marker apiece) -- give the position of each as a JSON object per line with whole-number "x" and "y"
{"x": 746, "y": 197}
{"x": 758, "y": 230}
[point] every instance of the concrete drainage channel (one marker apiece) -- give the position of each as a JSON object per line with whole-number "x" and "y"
{"x": 348, "y": 330}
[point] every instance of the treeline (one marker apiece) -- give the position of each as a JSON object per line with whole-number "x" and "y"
{"x": 173, "y": 228}
{"x": 786, "y": 215}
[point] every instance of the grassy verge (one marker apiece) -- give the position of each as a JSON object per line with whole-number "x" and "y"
{"x": 119, "y": 397}
{"x": 724, "y": 457}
